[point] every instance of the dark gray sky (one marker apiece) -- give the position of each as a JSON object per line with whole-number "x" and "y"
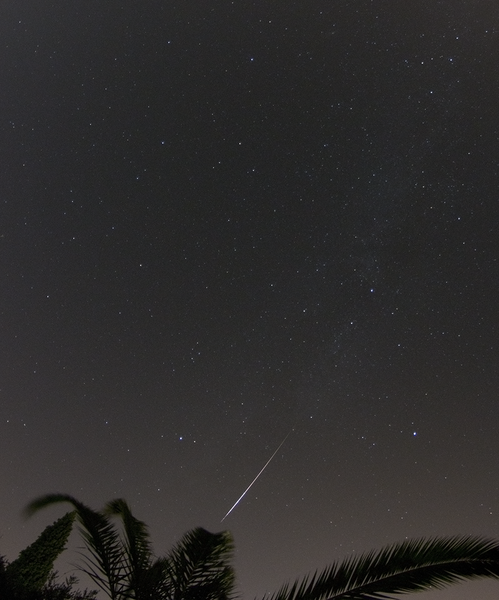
{"x": 223, "y": 220}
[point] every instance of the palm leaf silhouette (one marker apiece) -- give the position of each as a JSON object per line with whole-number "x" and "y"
{"x": 411, "y": 566}
{"x": 121, "y": 562}
{"x": 105, "y": 565}
{"x": 198, "y": 567}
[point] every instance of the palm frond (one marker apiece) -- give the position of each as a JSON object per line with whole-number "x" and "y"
{"x": 158, "y": 584}
{"x": 413, "y": 565}
{"x": 105, "y": 565}
{"x": 137, "y": 547}
{"x": 199, "y": 567}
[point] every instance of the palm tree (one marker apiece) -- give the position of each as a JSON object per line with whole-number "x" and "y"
{"x": 120, "y": 560}
{"x": 198, "y": 567}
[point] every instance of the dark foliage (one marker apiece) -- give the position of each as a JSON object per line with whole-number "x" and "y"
{"x": 120, "y": 561}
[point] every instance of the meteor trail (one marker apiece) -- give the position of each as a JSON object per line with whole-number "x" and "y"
{"x": 262, "y": 470}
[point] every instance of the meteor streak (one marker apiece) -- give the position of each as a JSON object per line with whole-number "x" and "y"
{"x": 262, "y": 470}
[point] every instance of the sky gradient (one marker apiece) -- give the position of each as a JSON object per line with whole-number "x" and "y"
{"x": 225, "y": 221}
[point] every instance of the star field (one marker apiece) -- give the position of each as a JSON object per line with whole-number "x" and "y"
{"x": 222, "y": 221}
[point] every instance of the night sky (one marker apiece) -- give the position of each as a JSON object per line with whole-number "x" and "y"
{"x": 222, "y": 222}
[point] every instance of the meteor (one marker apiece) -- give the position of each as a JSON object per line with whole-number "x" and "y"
{"x": 262, "y": 470}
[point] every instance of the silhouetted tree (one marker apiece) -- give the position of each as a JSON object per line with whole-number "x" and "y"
{"x": 31, "y": 576}
{"x": 120, "y": 561}
{"x": 32, "y": 568}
